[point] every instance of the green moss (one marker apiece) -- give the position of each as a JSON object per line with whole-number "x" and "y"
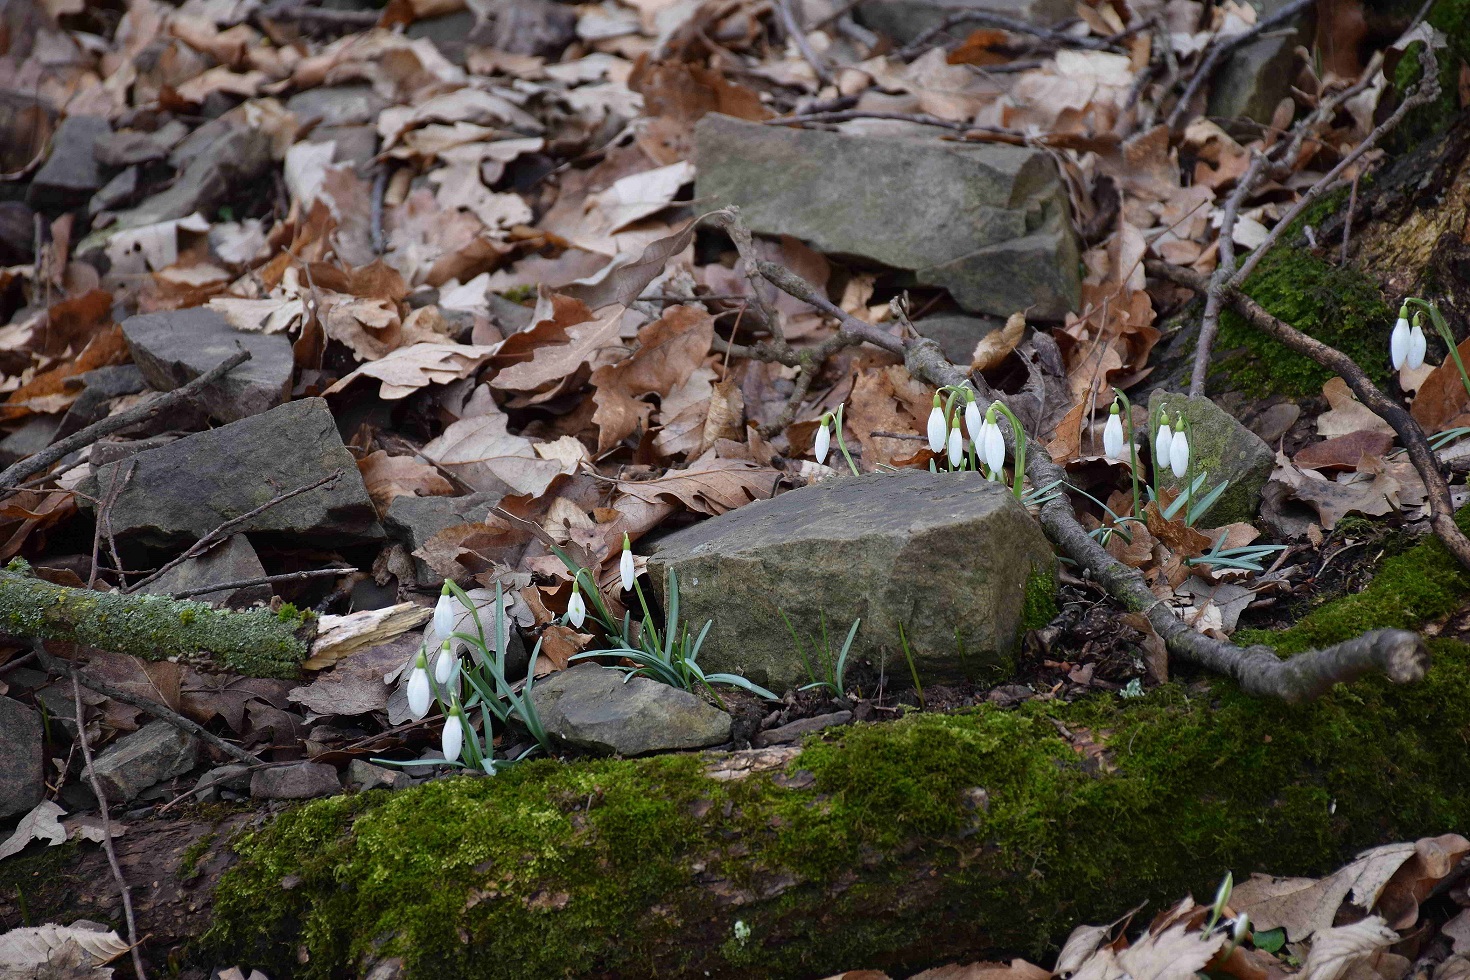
{"x": 1014, "y": 833}
{"x": 1041, "y": 601}
{"x": 1423, "y": 584}
{"x": 522, "y": 294}
{"x": 1336, "y": 305}
{"x": 189, "y": 860}
{"x": 1452, "y": 19}
{"x": 38, "y": 880}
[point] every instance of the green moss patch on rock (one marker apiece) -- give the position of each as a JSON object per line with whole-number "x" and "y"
{"x": 1337, "y": 305}
{"x": 887, "y": 846}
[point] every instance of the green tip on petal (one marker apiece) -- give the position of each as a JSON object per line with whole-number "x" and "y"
{"x": 936, "y": 400}
{"x": 1114, "y": 409}
{"x": 421, "y": 661}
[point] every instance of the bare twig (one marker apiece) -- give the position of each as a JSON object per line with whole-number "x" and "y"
{"x": 1224, "y": 269}
{"x": 1347, "y": 222}
{"x": 1222, "y": 48}
{"x": 380, "y": 187}
{"x": 245, "y": 583}
{"x": 798, "y": 36}
{"x": 1426, "y": 91}
{"x": 298, "y": 10}
{"x": 1441, "y": 508}
{"x": 926, "y": 39}
{"x": 19, "y": 471}
{"x": 230, "y": 527}
{"x": 58, "y": 666}
{"x": 122, "y": 883}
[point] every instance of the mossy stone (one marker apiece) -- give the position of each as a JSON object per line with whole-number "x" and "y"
{"x": 1223, "y": 449}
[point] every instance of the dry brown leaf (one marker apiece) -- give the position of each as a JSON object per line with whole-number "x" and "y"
{"x": 669, "y": 349}
{"x": 42, "y": 823}
{"x": 555, "y": 365}
{"x": 387, "y": 477}
{"x": 44, "y": 950}
{"x": 558, "y": 645}
{"x": 407, "y": 369}
{"x": 1333, "y": 500}
{"x": 1442, "y": 396}
{"x": 997, "y": 345}
{"x": 1177, "y": 953}
{"x": 709, "y": 485}
{"x": 1014, "y": 970}
{"x": 1347, "y": 415}
{"x": 1343, "y": 452}
{"x": 1337, "y": 950}
{"x": 483, "y": 453}
{"x": 1178, "y": 537}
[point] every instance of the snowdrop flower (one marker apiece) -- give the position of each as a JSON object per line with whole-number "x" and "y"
{"x": 1179, "y": 450}
{"x": 956, "y": 448}
{"x": 994, "y": 449}
{"x": 824, "y": 441}
{"x": 974, "y": 422}
{"x": 938, "y": 428}
{"x": 419, "y": 694}
{"x": 576, "y": 608}
{"x": 444, "y": 613}
{"x": 453, "y": 738}
{"x": 626, "y": 571}
{"x": 1163, "y": 442}
{"x": 1242, "y": 927}
{"x": 444, "y": 667}
{"x": 1398, "y": 342}
{"x": 1113, "y": 434}
{"x": 1417, "y": 345}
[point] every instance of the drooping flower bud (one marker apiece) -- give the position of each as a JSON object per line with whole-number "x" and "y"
{"x": 626, "y": 572}
{"x": 938, "y": 428}
{"x": 974, "y": 421}
{"x": 1418, "y": 345}
{"x": 446, "y": 664}
{"x": 1163, "y": 441}
{"x": 453, "y": 737}
{"x": 1113, "y": 434}
{"x": 956, "y": 448}
{"x": 576, "y": 608}
{"x": 994, "y": 450}
{"x": 444, "y": 613}
{"x": 823, "y": 443}
{"x": 419, "y": 693}
{"x": 1398, "y": 343}
{"x": 1179, "y": 451}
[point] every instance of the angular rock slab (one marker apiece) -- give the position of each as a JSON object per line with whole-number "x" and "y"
{"x": 145, "y": 758}
{"x": 22, "y": 770}
{"x": 70, "y": 174}
{"x": 1259, "y": 75}
{"x": 988, "y": 222}
{"x": 177, "y": 346}
{"x": 412, "y": 521}
{"x": 233, "y": 560}
{"x": 594, "y": 708}
{"x": 1224, "y": 449}
{"x": 183, "y": 490}
{"x": 947, "y": 555}
{"x": 905, "y": 20}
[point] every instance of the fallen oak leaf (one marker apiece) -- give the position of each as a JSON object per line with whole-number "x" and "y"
{"x": 709, "y": 485}
{"x": 669, "y": 350}
{"x": 387, "y": 477}
{"x": 407, "y": 369}
{"x": 1336, "y": 950}
{"x": 1343, "y": 452}
{"x": 997, "y": 345}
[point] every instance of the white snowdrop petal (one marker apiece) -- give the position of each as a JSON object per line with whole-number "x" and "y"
{"x": 823, "y": 443}
{"x": 453, "y": 738}
{"x": 419, "y": 694}
{"x": 1162, "y": 443}
{"x": 444, "y": 616}
{"x": 1398, "y": 343}
{"x": 974, "y": 422}
{"x": 1113, "y": 437}
{"x": 576, "y": 610}
{"x": 626, "y": 572}
{"x": 1418, "y": 346}
{"x": 938, "y": 430}
{"x": 995, "y": 448}
{"x": 956, "y": 448}
{"x": 1179, "y": 454}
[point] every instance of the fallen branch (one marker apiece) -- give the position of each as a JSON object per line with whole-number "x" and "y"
{"x": 17, "y": 472}
{"x": 1441, "y": 508}
{"x": 798, "y": 37}
{"x": 246, "y": 583}
{"x": 925, "y": 40}
{"x": 259, "y": 642}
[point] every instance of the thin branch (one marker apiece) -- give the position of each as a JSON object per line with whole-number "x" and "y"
{"x": 1441, "y": 508}
{"x": 846, "y": 115}
{"x": 298, "y": 10}
{"x": 230, "y": 527}
{"x": 926, "y": 39}
{"x": 19, "y": 471}
{"x": 1426, "y": 91}
{"x": 1222, "y": 48}
{"x": 798, "y": 37}
{"x": 159, "y": 711}
{"x": 1225, "y": 268}
{"x": 263, "y": 580}
{"x": 122, "y": 883}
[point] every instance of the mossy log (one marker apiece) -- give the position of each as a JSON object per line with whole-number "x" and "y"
{"x": 261, "y": 643}
{"x": 892, "y": 846}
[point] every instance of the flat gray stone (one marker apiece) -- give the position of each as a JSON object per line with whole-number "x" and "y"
{"x": 144, "y": 758}
{"x": 363, "y": 775}
{"x": 116, "y": 193}
{"x": 175, "y": 347}
{"x": 22, "y": 769}
{"x": 233, "y": 560}
{"x": 131, "y": 146}
{"x": 99, "y": 388}
{"x": 337, "y": 105}
{"x": 905, "y": 20}
{"x": 181, "y": 491}
{"x": 988, "y": 222}
{"x": 234, "y": 777}
{"x": 958, "y": 333}
{"x": 411, "y": 521}
{"x": 594, "y": 708}
{"x": 227, "y": 160}
{"x": 300, "y": 781}
{"x": 1258, "y": 75}
{"x": 70, "y": 175}
{"x": 1224, "y": 449}
{"x": 800, "y": 729}
{"x": 948, "y": 556}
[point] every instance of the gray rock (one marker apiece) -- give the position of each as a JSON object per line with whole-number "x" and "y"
{"x": 117, "y": 192}
{"x": 957, "y": 333}
{"x": 232, "y": 561}
{"x": 301, "y": 781}
{"x": 145, "y": 758}
{"x": 175, "y": 347}
{"x": 904, "y": 20}
{"x": 363, "y": 775}
{"x": 411, "y": 521}
{"x": 131, "y": 146}
{"x": 99, "y": 388}
{"x": 337, "y": 105}
{"x": 234, "y": 777}
{"x": 448, "y": 32}
{"x": 987, "y": 222}
{"x": 1223, "y": 448}
{"x": 17, "y": 233}
{"x": 22, "y": 769}
{"x": 800, "y": 729}
{"x": 356, "y": 145}
{"x": 183, "y": 490}
{"x": 29, "y": 438}
{"x": 949, "y": 556}
{"x": 229, "y": 160}
{"x": 70, "y": 175}
{"x": 1257, "y": 76}
{"x": 593, "y": 708}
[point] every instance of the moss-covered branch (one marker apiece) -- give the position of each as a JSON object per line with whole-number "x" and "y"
{"x": 261, "y": 643}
